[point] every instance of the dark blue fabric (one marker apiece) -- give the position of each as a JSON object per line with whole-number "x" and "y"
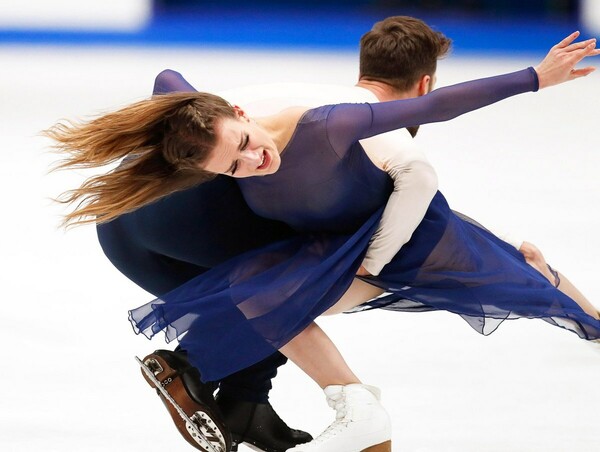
{"x": 244, "y": 310}
{"x": 325, "y": 187}
{"x": 350, "y": 190}
{"x": 469, "y": 271}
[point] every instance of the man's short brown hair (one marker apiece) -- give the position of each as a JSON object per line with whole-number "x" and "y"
{"x": 400, "y": 50}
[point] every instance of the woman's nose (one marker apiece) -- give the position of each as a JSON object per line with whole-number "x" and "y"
{"x": 251, "y": 157}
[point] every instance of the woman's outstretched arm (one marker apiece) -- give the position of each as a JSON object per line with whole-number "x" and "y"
{"x": 348, "y": 123}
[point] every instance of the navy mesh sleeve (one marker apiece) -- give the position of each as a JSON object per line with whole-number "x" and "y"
{"x": 169, "y": 81}
{"x": 348, "y": 123}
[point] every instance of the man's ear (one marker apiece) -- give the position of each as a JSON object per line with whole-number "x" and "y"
{"x": 424, "y": 85}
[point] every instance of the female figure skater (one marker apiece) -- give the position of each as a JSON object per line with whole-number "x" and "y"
{"x": 326, "y": 187}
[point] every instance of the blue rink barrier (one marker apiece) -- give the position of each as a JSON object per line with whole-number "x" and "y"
{"x": 301, "y": 30}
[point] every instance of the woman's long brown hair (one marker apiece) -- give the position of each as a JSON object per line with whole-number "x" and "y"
{"x": 162, "y": 141}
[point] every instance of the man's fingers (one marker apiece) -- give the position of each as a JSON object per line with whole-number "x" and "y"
{"x": 568, "y": 40}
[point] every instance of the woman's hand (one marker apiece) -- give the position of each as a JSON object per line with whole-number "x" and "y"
{"x": 362, "y": 271}
{"x": 559, "y": 65}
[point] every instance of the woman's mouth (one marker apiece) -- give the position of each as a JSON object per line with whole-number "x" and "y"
{"x": 265, "y": 161}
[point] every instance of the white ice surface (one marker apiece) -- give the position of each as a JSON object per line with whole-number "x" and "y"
{"x": 68, "y": 379}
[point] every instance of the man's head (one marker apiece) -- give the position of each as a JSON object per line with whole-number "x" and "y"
{"x": 399, "y": 51}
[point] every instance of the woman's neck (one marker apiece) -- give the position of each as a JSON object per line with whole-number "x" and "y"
{"x": 281, "y": 126}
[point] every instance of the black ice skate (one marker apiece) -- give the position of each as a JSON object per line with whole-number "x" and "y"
{"x": 192, "y": 407}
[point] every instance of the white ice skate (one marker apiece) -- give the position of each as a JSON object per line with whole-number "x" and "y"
{"x": 361, "y": 424}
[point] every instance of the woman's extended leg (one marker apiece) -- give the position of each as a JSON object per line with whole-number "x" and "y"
{"x": 535, "y": 258}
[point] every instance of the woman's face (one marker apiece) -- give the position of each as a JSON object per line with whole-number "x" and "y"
{"x": 243, "y": 149}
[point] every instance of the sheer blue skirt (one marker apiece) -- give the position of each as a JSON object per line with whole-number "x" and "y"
{"x": 243, "y": 310}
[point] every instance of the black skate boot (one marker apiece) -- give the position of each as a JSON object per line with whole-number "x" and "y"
{"x": 258, "y": 426}
{"x": 190, "y": 402}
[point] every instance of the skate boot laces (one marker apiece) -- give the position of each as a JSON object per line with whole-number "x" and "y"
{"x": 338, "y": 403}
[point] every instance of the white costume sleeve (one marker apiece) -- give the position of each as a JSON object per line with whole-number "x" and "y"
{"x": 415, "y": 185}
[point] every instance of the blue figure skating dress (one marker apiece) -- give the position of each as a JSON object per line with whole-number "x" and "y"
{"x": 330, "y": 192}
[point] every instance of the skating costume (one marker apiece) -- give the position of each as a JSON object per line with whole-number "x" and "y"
{"x": 329, "y": 190}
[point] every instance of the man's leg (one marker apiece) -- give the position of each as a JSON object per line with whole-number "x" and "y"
{"x": 243, "y": 398}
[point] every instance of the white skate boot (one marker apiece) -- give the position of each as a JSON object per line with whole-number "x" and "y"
{"x": 361, "y": 424}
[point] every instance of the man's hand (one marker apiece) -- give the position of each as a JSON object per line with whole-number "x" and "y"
{"x": 559, "y": 65}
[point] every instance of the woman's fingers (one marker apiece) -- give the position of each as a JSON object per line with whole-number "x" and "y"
{"x": 576, "y": 56}
{"x": 580, "y": 54}
{"x": 580, "y": 45}
{"x": 559, "y": 64}
{"x": 576, "y": 73}
{"x": 568, "y": 40}
{"x": 578, "y": 51}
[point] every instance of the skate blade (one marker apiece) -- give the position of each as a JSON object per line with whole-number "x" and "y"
{"x": 383, "y": 447}
{"x": 199, "y": 426}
